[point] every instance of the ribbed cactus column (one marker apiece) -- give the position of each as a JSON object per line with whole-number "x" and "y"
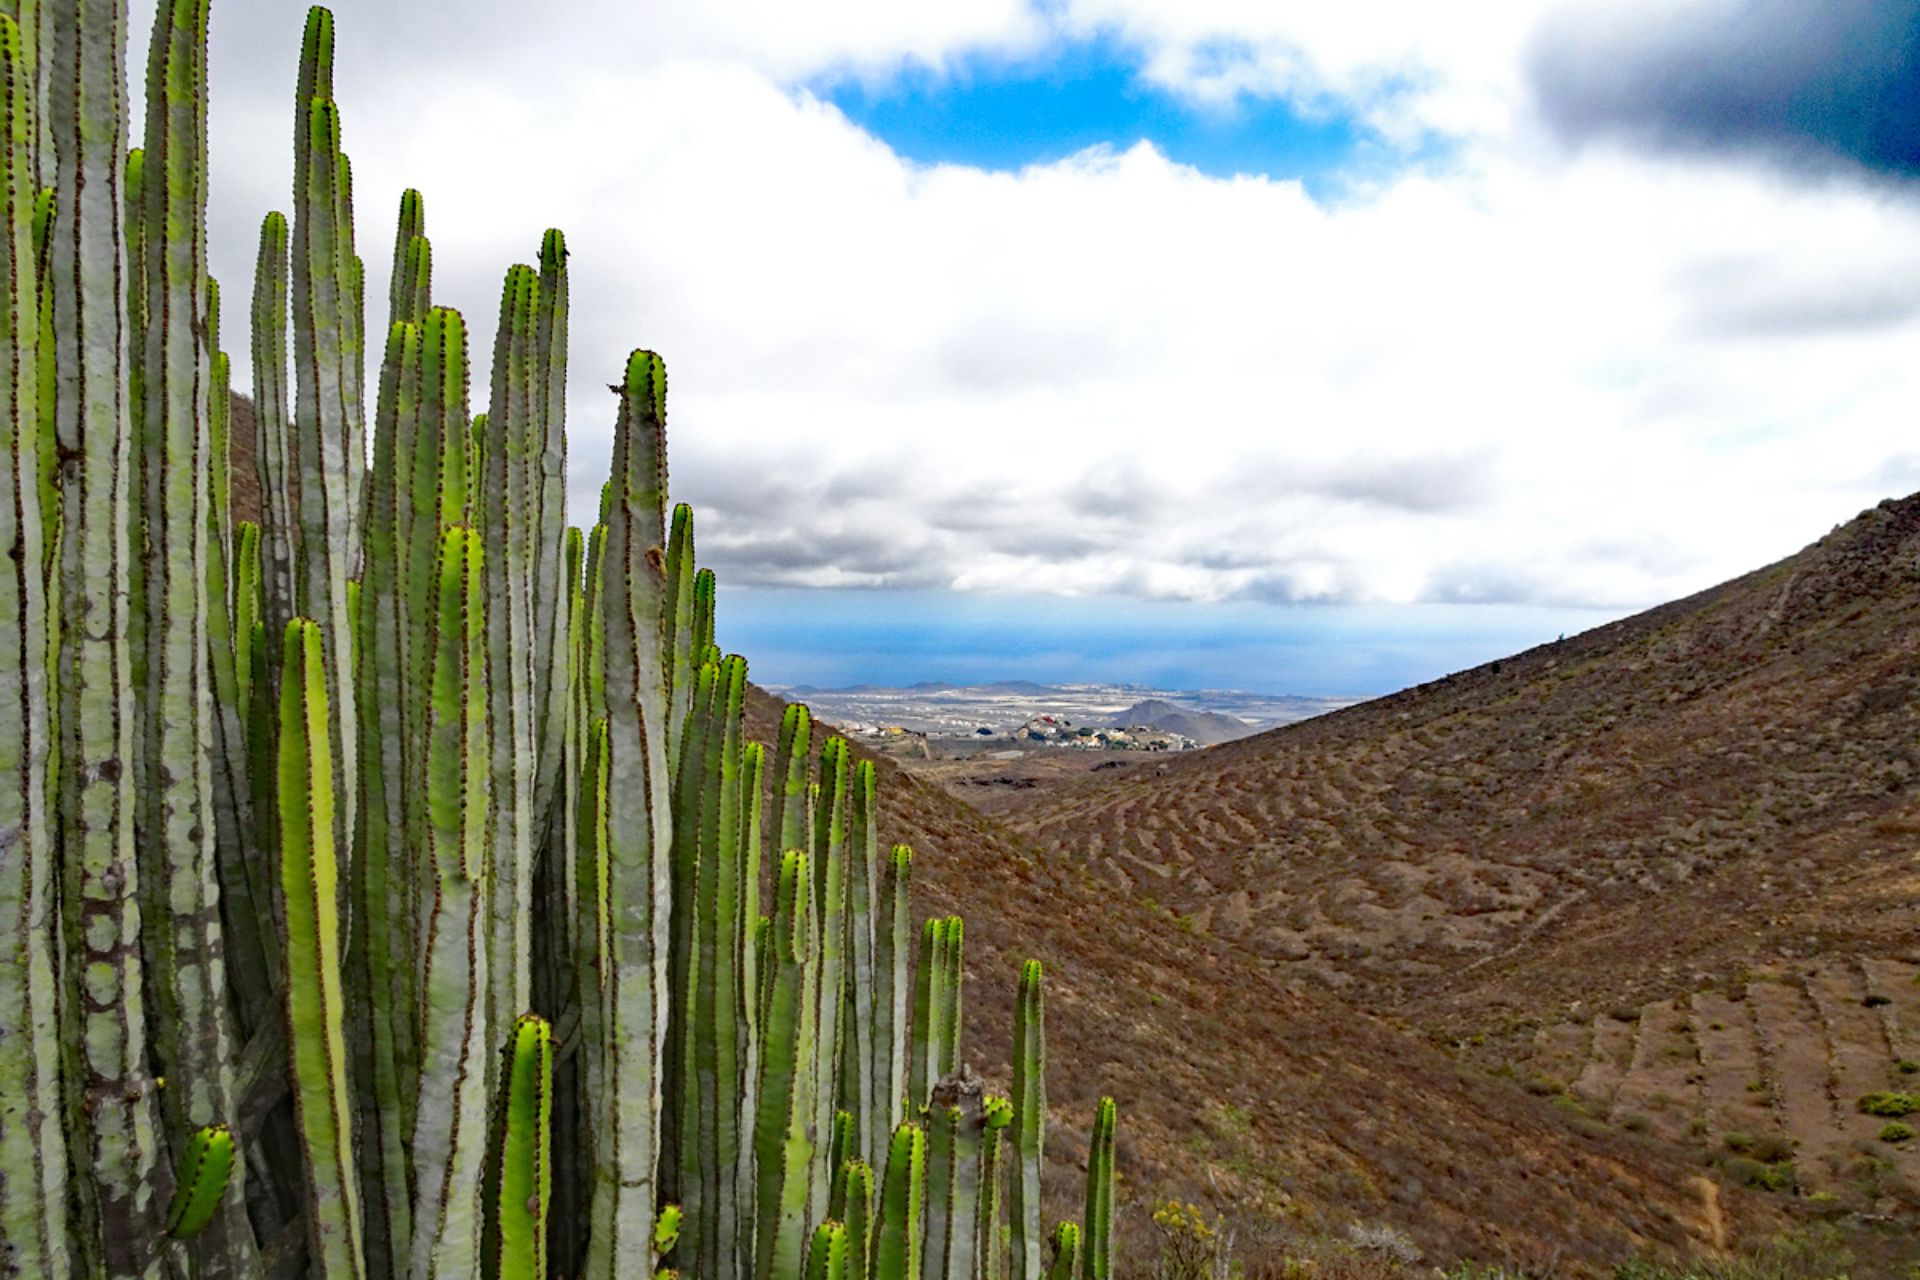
{"x": 273, "y": 458}
{"x": 1098, "y": 1264}
{"x": 382, "y": 957}
{"x": 506, "y": 513}
{"x": 1029, "y": 1121}
{"x": 829, "y": 976}
{"x": 33, "y": 1154}
{"x": 410, "y": 292}
{"x": 182, "y": 931}
{"x": 449, "y": 1136}
{"x": 864, "y": 990}
{"x": 111, "y": 1132}
{"x": 1067, "y": 1253}
{"x": 892, "y": 995}
{"x": 552, "y": 585}
{"x": 639, "y": 826}
{"x": 790, "y": 758}
{"x": 784, "y": 1136}
{"x": 996, "y": 1115}
{"x": 324, "y": 390}
{"x": 315, "y": 1011}
{"x": 519, "y": 1184}
{"x": 954, "y": 1129}
{"x": 896, "y": 1247}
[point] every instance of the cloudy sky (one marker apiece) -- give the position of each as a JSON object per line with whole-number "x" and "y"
{"x": 1230, "y": 343}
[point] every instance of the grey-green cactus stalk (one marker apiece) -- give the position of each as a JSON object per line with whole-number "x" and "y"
{"x": 33, "y": 1195}
{"x": 205, "y": 1173}
{"x": 1098, "y": 1263}
{"x": 995, "y": 1116}
{"x": 274, "y": 461}
{"x": 410, "y": 292}
{"x": 186, "y": 959}
{"x": 309, "y": 877}
{"x": 896, "y": 1247}
{"x": 955, "y": 1126}
{"x": 892, "y": 995}
{"x": 507, "y": 490}
{"x": 830, "y": 1256}
{"x": 1029, "y": 1121}
{"x": 639, "y": 825}
{"x": 935, "y": 1012}
{"x": 449, "y": 1135}
{"x": 112, "y": 1141}
{"x": 519, "y": 1186}
{"x": 784, "y": 1137}
{"x": 324, "y": 388}
{"x": 829, "y": 977}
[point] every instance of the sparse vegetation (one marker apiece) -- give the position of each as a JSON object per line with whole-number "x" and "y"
{"x": 1889, "y": 1103}
{"x": 1896, "y": 1131}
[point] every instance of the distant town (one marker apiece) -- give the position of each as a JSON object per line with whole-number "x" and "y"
{"x": 1020, "y": 716}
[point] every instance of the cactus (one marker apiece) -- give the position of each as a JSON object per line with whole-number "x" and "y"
{"x": 33, "y": 1207}
{"x": 309, "y": 878}
{"x": 1029, "y": 1121}
{"x": 896, "y": 1247}
{"x": 408, "y": 758}
{"x": 111, "y": 1133}
{"x": 204, "y": 1176}
{"x": 996, "y": 1115}
{"x": 520, "y": 1165}
{"x": 1067, "y": 1251}
{"x": 1098, "y": 1246}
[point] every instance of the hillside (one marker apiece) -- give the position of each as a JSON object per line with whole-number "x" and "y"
{"x": 1657, "y": 815}
{"x": 1278, "y": 1103}
{"x": 1208, "y": 728}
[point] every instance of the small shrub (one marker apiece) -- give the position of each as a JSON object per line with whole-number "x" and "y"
{"x": 1761, "y": 1176}
{"x": 1895, "y": 1131}
{"x": 1875, "y": 1000}
{"x": 1768, "y": 1148}
{"x": 1544, "y": 1086}
{"x": 1907, "y": 1066}
{"x": 1636, "y": 1123}
{"x": 1888, "y": 1103}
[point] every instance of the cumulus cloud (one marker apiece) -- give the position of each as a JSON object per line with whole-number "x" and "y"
{"x": 1813, "y": 84}
{"x": 1597, "y": 378}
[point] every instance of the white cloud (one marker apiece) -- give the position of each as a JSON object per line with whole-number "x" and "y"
{"x": 1597, "y": 379}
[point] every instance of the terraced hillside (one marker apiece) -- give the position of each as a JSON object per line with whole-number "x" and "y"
{"x": 1766, "y": 1076}
{"x": 1639, "y": 821}
{"x": 1718, "y": 783}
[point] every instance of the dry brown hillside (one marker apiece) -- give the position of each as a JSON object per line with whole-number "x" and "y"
{"x": 1582, "y": 858}
{"x": 1244, "y": 1091}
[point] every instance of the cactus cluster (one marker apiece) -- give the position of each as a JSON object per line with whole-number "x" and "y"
{"x": 391, "y": 887}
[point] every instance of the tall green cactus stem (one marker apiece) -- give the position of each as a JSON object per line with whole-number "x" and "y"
{"x": 896, "y": 1249}
{"x": 273, "y": 454}
{"x": 996, "y": 1115}
{"x": 1067, "y": 1253}
{"x": 710, "y": 1135}
{"x": 449, "y": 1135}
{"x": 33, "y": 1195}
{"x": 790, "y": 759}
{"x": 892, "y": 994}
{"x": 864, "y": 990}
{"x": 828, "y": 981}
{"x": 43, "y": 220}
{"x": 552, "y": 589}
{"x": 186, "y": 953}
{"x": 381, "y": 955}
{"x": 438, "y": 483}
{"x": 134, "y": 218}
{"x": 252, "y": 946}
{"x": 505, "y": 520}
{"x": 784, "y": 1137}
{"x": 856, "y": 1210}
{"x": 324, "y": 388}
{"x": 520, "y": 1165}
{"x": 639, "y": 825}
{"x": 954, "y": 1128}
{"x": 747, "y": 1001}
{"x": 110, "y": 1121}
{"x": 953, "y": 989}
{"x": 410, "y": 293}
{"x": 309, "y": 877}
{"x": 929, "y": 1015}
{"x": 1029, "y": 1121}
{"x": 1098, "y": 1263}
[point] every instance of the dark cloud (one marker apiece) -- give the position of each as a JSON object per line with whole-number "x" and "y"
{"x": 1815, "y": 85}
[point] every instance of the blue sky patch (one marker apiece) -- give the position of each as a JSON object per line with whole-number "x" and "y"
{"x": 1001, "y": 113}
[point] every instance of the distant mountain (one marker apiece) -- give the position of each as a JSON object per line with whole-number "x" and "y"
{"x": 1205, "y": 727}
